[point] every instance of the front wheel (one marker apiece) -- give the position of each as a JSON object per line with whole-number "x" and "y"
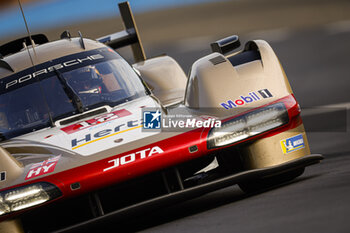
{"x": 269, "y": 182}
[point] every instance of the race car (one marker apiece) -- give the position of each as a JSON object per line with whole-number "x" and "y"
{"x": 87, "y": 138}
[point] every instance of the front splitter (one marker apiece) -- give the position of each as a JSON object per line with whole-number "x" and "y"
{"x": 196, "y": 191}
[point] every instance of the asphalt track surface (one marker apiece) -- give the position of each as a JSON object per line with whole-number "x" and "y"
{"x": 316, "y": 61}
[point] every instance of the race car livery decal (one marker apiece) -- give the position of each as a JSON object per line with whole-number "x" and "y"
{"x": 52, "y": 68}
{"x": 292, "y": 144}
{"x": 142, "y": 154}
{"x": 43, "y": 167}
{"x": 2, "y": 176}
{"x": 63, "y": 64}
{"x": 98, "y": 133}
{"x": 97, "y": 120}
{"x": 251, "y": 97}
{"x": 105, "y": 133}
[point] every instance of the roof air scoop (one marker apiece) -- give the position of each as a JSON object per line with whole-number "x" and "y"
{"x": 17, "y": 45}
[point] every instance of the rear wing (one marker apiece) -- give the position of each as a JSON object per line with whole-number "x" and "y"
{"x": 129, "y": 36}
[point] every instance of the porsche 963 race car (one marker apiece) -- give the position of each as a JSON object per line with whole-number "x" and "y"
{"x": 86, "y": 137}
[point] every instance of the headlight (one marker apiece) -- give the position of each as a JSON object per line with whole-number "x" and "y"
{"x": 27, "y": 196}
{"x": 248, "y": 125}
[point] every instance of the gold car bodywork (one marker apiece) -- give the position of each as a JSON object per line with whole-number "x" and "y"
{"x": 209, "y": 85}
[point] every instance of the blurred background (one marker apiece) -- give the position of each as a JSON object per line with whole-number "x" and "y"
{"x": 174, "y": 21}
{"x": 311, "y": 39}
{"x": 187, "y": 25}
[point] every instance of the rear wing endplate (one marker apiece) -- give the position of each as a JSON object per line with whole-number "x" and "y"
{"x": 129, "y": 36}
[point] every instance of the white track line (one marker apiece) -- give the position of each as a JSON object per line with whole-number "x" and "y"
{"x": 194, "y": 44}
{"x": 338, "y": 27}
{"x": 273, "y": 35}
{"x": 325, "y": 109}
{"x": 203, "y": 42}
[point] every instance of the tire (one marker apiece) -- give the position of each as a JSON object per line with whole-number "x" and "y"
{"x": 267, "y": 183}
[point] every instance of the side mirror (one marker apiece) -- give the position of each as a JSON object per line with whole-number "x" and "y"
{"x": 226, "y": 45}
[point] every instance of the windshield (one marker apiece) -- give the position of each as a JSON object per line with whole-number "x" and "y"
{"x": 35, "y": 104}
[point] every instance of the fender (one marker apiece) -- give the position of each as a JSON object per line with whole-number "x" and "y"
{"x": 165, "y": 78}
{"x": 217, "y": 81}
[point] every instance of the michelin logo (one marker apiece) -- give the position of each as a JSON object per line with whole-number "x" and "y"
{"x": 152, "y": 119}
{"x": 292, "y": 144}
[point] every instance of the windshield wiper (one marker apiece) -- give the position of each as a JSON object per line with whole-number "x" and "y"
{"x": 70, "y": 92}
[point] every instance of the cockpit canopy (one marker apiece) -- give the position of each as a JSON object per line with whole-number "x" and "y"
{"x": 34, "y": 98}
